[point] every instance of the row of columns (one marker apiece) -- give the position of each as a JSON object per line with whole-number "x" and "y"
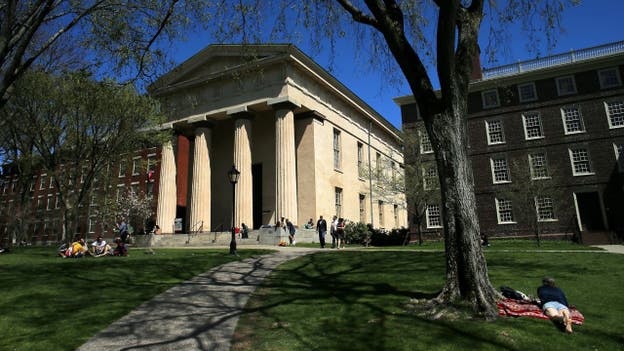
{"x": 200, "y": 206}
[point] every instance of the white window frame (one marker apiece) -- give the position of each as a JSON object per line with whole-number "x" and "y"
{"x": 380, "y": 208}
{"x": 122, "y": 169}
{"x": 43, "y": 181}
{"x": 526, "y": 130}
{"x": 619, "y": 156}
{"x": 604, "y": 84}
{"x": 564, "y": 120}
{"x": 490, "y": 124}
{"x": 424, "y": 143}
{"x": 429, "y": 179}
{"x": 492, "y": 162}
{"x": 338, "y": 201}
{"x": 135, "y": 188}
{"x": 484, "y": 99}
{"x": 558, "y": 81}
{"x": 533, "y": 88}
{"x": 360, "y": 160}
{"x": 336, "y": 143}
{"x": 50, "y": 203}
{"x": 499, "y": 202}
{"x": 537, "y": 200}
{"x": 532, "y": 167}
{"x": 436, "y": 215}
{"x": 572, "y": 162}
{"x": 620, "y": 114}
{"x": 57, "y": 201}
{"x": 135, "y": 165}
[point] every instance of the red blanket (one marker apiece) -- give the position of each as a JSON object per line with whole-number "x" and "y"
{"x": 517, "y": 308}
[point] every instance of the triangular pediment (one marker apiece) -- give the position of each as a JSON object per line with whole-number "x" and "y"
{"x": 217, "y": 59}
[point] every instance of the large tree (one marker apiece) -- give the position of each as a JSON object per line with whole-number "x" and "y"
{"x": 74, "y": 129}
{"x": 95, "y": 34}
{"x": 444, "y": 33}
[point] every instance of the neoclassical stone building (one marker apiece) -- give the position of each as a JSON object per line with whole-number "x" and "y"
{"x": 301, "y": 140}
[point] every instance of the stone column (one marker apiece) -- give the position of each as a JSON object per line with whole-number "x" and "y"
{"x": 200, "y": 186}
{"x": 166, "y": 211}
{"x": 242, "y": 161}
{"x": 285, "y": 164}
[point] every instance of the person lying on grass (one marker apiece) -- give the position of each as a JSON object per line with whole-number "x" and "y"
{"x": 554, "y": 303}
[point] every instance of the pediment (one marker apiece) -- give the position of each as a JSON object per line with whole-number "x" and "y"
{"x": 217, "y": 59}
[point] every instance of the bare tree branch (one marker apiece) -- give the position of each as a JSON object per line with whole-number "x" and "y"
{"x": 357, "y": 14}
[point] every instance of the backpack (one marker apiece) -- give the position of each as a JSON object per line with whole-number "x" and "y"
{"x": 513, "y": 294}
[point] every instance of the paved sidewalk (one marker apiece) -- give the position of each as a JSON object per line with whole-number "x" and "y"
{"x": 612, "y": 248}
{"x": 200, "y": 314}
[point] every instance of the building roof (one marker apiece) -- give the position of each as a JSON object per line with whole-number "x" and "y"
{"x": 256, "y": 56}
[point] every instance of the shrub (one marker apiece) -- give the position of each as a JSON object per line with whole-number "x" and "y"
{"x": 358, "y": 233}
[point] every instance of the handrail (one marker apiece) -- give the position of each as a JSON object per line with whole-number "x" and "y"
{"x": 554, "y": 60}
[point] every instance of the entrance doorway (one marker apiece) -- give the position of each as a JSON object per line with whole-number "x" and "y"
{"x": 256, "y": 175}
{"x": 590, "y": 211}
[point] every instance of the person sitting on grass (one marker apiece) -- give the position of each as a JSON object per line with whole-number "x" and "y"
{"x": 99, "y": 247}
{"x": 554, "y": 303}
{"x": 77, "y": 249}
{"x": 121, "y": 249}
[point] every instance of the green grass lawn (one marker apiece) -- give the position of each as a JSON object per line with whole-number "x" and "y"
{"x": 359, "y": 300}
{"x": 50, "y": 303}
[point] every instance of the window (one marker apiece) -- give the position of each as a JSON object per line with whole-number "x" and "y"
{"x": 378, "y": 166}
{"x": 425, "y": 143}
{"x": 396, "y": 216}
{"x": 122, "y": 169}
{"x": 360, "y": 159}
{"x": 609, "y": 78}
{"x": 581, "y": 164}
{"x": 433, "y": 217}
{"x": 538, "y": 166}
{"x": 134, "y": 188}
{"x": 500, "y": 171}
{"x": 50, "y": 203}
{"x": 120, "y": 191}
{"x": 336, "y": 149}
{"x": 92, "y": 223}
{"x": 151, "y": 162}
{"x": 490, "y": 98}
{"x": 495, "y": 133}
{"x": 545, "y": 209}
{"x": 338, "y": 199}
{"x": 40, "y": 203}
{"x": 380, "y": 209}
{"x": 619, "y": 156}
{"x": 532, "y": 126}
{"x": 136, "y": 165}
{"x": 393, "y": 173}
{"x": 566, "y": 85}
{"x": 615, "y": 113}
{"x": 572, "y": 120}
{"x": 51, "y": 182}
{"x": 43, "y": 182}
{"x": 504, "y": 211}
{"x": 362, "y": 208}
{"x": 150, "y": 188}
{"x": 57, "y": 201}
{"x": 430, "y": 177}
{"x": 527, "y": 92}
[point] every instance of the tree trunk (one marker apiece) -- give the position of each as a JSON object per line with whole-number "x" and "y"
{"x": 466, "y": 268}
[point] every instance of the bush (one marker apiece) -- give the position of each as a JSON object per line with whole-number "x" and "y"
{"x": 385, "y": 238}
{"x": 358, "y": 233}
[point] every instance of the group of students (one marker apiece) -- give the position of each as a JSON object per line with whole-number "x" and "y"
{"x": 337, "y": 231}
{"x": 98, "y": 248}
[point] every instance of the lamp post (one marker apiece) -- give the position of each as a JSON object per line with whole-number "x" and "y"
{"x": 233, "y": 175}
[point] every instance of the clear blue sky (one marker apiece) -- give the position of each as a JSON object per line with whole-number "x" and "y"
{"x": 592, "y": 23}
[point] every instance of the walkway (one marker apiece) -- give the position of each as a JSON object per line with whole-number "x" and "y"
{"x": 200, "y": 314}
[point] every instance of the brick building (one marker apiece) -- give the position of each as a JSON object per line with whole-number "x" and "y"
{"x": 546, "y": 140}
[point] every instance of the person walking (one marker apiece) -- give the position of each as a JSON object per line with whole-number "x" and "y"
{"x": 332, "y": 231}
{"x": 291, "y": 232}
{"x": 321, "y": 228}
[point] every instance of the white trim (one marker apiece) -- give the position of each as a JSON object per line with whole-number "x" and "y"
{"x": 423, "y": 135}
{"x": 617, "y": 76}
{"x": 531, "y": 84}
{"x": 494, "y": 181}
{"x": 427, "y": 219}
{"x": 489, "y": 137}
{"x": 574, "y": 173}
{"x": 557, "y": 83}
{"x": 606, "y": 105}
{"x": 135, "y": 165}
{"x": 532, "y": 169}
{"x": 619, "y": 162}
{"x": 498, "y": 217}
{"x": 565, "y": 125}
{"x": 526, "y": 132}
{"x": 483, "y": 99}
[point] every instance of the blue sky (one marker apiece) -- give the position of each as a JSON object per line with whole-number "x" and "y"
{"x": 592, "y": 23}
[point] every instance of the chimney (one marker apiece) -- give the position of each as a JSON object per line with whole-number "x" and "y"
{"x": 476, "y": 74}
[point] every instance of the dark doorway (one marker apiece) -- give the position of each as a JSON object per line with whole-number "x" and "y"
{"x": 256, "y": 175}
{"x": 590, "y": 211}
